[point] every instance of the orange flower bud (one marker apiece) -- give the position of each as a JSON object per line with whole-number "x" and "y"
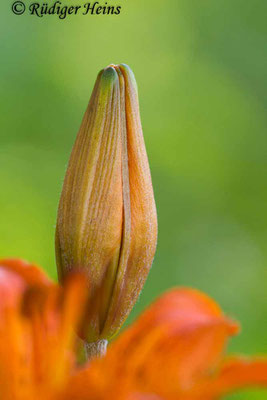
{"x": 107, "y": 223}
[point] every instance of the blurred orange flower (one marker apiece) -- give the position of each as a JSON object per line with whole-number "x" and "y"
{"x": 36, "y": 331}
{"x": 173, "y": 351}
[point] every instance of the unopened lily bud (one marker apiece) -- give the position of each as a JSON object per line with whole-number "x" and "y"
{"x": 107, "y": 222}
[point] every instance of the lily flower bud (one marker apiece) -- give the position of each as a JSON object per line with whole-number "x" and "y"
{"x": 107, "y": 222}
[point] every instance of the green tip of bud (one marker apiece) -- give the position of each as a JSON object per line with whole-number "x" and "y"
{"x": 109, "y": 75}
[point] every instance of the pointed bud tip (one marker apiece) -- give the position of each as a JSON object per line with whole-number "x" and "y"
{"x": 128, "y": 75}
{"x": 108, "y": 76}
{"x": 123, "y": 68}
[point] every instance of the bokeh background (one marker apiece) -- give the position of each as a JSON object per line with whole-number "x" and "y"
{"x": 201, "y": 69}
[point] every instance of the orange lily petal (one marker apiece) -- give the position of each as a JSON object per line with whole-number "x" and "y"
{"x": 36, "y": 329}
{"x": 30, "y": 273}
{"x": 235, "y": 373}
{"x": 178, "y": 340}
{"x": 174, "y": 350}
{"x": 15, "y": 276}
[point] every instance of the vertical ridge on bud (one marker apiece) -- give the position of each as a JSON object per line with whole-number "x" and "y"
{"x": 132, "y": 274}
{"x": 107, "y": 224}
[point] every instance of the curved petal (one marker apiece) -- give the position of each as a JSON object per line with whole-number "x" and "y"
{"x": 30, "y": 273}
{"x": 37, "y": 318}
{"x": 176, "y": 342}
{"x": 235, "y": 373}
{"x": 15, "y": 276}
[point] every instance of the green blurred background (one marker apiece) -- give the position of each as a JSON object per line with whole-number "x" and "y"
{"x": 201, "y": 67}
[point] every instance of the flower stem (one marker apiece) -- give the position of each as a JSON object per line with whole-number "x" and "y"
{"x": 96, "y": 349}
